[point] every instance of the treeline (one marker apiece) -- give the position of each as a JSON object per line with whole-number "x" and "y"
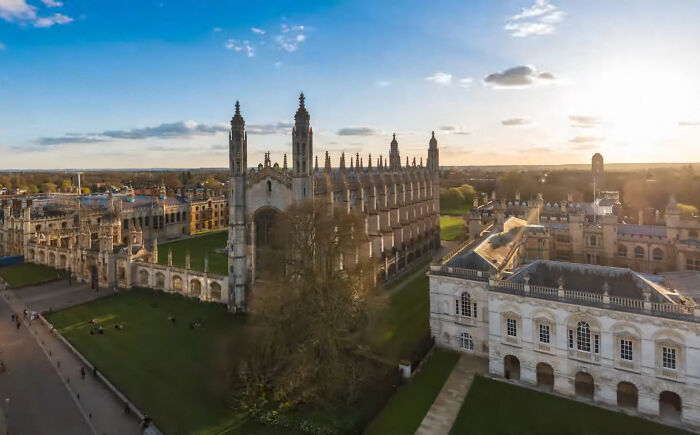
{"x": 97, "y": 181}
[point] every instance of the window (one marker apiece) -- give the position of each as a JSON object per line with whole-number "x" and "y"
{"x": 544, "y": 334}
{"x": 465, "y": 307}
{"x": 638, "y": 252}
{"x": 658, "y": 254}
{"x": 562, "y": 239}
{"x": 511, "y": 327}
{"x": 571, "y": 339}
{"x": 689, "y": 264}
{"x": 693, "y": 234}
{"x": 466, "y": 342}
{"x": 626, "y": 349}
{"x": 583, "y": 337}
{"x": 622, "y": 251}
{"x": 668, "y": 357}
{"x": 596, "y": 343}
{"x": 593, "y": 241}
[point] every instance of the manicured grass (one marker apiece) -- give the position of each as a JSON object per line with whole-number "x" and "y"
{"x": 404, "y": 324}
{"x": 198, "y": 247}
{"x": 411, "y": 402}
{"x": 450, "y": 227}
{"x": 29, "y": 274}
{"x": 496, "y": 407}
{"x": 456, "y": 211}
{"x": 173, "y": 373}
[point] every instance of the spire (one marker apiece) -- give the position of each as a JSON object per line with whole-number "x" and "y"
{"x": 421, "y": 162}
{"x": 407, "y": 161}
{"x": 302, "y": 114}
{"x": 414, "y": 161}
{"x": 369, "y": 162}
{"x": 352, "y": 166}
{"x": 327, "y": 165}
{"x": 433, "y": 162}
{"x": 357, "y": 162}
{"x": 316, "y": 165}
{"x": 284, "y": 164}
{"x": 342, "y": 161}
{"x": 237, "y": 119}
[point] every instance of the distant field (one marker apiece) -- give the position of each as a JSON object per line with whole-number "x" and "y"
{"x": 198, "y": 246}
{"x": 29, "y": 274}
{"x": 450, "y": 227}
{"x": 497, "y": 407}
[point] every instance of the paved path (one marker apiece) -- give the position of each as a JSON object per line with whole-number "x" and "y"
{"x": 442, "y": 414}
{"x": 101, "y": 409}
{"x": 39, "y": 401}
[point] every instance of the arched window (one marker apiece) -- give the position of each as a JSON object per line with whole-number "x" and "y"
{"x": 622, "y": 251}
{"x": 269, "y": 186}
{"x": 466, "y": 342}
{"x": 657, "y": 254}
{"x": 638, "y": 252}
{"x": 583, "y": 337}
{"x": 593, "y": 240}
{"x": 465, "y": 307}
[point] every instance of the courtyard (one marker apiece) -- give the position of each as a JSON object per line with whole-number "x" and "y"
{"x": 451, "y": 227}
{"x": 498, "y": 407}
{"x": 199, "y": 247}
{"x": 29, "y": 274}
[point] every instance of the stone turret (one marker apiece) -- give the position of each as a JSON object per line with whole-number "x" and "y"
{"x": 302, "y": 152}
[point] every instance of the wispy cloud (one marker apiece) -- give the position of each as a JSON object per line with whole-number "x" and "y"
{"x": 242, "y": 46}
{"x": 383, "y": 83}
{"x": 358, "y": 131}
{"x": 586, "y": 139}
{"x": 52, "y": 3}
{"x": 216, "y": 29}
{"x": 688, "y": 123}
{"x": 257, "y": 31}
{"x": 541, "y": 18}
{"x": 165, "y": 130}
{"x": 52, "y": 20}
{"x": 515, "y": 121}
{"x": 290, "y": 37}
{"x": 466, "y": 82}
{"x": 522, "y": 76}
{"x": 440, "y": 78}
{"x": 453, "y": 129}
{"x": 583, "y": 121}
{"x": 278, "y": 128}
{"x": 20, "y": 11}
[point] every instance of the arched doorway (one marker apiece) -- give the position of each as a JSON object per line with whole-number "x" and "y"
{"x": 627, "y": 395}
{"x": 216, "y": 291}
{"x": 177, "y": 284}
{"x": 195, "y": 288}
{"x": 670, "y": 406}
{"x": 267, "y": 246}
{"x": 160, "y": 280}
{"x": 511, "y": 367}
{"x": 584, "y": 386}
{"x": 545, "y": 376}
{"x": 62, "y": 261}
{"x": 143, "y": 278}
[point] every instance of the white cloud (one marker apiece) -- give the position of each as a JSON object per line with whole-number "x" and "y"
{"x": 583, "y": 121}
{"x": 466, "y": 82}
{"x": 541, "y": 18}
{"x": 19, "y": 10}
{"x": 52, "y": 3}
{"x": 216, "y": 29}
{"x": 257, "y": 31}
{"x": 54, "y": 19}
{"x": 383, "y": 83}
{"x": 290, "y": 38}
{"x": 242, "y": 46}
{"x": 359, "y": 131}
{"x": 440, "y": 78}
{"x": 510, "y": 122}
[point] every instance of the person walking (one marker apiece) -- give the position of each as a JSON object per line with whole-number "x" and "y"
{"x": 82, "y": 372}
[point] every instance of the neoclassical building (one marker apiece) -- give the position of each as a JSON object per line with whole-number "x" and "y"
{"x": 400, "y": 203}
{"x": 602, "y": 334}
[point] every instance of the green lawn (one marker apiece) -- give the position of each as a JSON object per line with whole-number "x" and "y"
{"x": 450, "y": 227}
{"x": 404, "y": 324}
{"x": 29, "y": 274}
{"x": 496, "y": 407}
{"x": 407, "y": 407}
{"x": 456, "y": 211}
{"x": 198, "y": 247}
{"x": 171, "y": 372}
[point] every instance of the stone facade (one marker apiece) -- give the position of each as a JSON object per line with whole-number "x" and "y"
{"x": 400, "y": 204}
{"x": 601, "y": 334}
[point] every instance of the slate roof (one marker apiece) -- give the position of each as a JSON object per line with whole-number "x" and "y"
{"x": 641, "y": 230}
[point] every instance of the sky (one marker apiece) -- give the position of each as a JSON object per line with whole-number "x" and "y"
{"x": 153, "y": 83}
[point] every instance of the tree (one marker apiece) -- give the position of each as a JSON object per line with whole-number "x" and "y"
{"x": 688, "y": 211}
{"x": 66, "y": 186}
{"x": 48, "y": 187}
{"x": 307, "y": 323}
{"x": 213, "y": 184}
{"x": 457, "y": 200}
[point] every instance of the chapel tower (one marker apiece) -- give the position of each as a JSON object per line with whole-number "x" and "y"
{"x": 302, "y": 154}
{"x": 433, "y": 156}
{"x": 237, "y": 248}
{"x": 394, "y": 157}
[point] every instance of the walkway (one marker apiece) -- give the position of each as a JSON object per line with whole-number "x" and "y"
{"x": 101, "y": 409}
{"x": 442, "y": 414}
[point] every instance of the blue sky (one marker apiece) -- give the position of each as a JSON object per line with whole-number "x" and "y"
{"x": 152, "y": 83}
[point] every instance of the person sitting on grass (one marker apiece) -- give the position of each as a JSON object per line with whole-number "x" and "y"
{"x": 171, "y": 318}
